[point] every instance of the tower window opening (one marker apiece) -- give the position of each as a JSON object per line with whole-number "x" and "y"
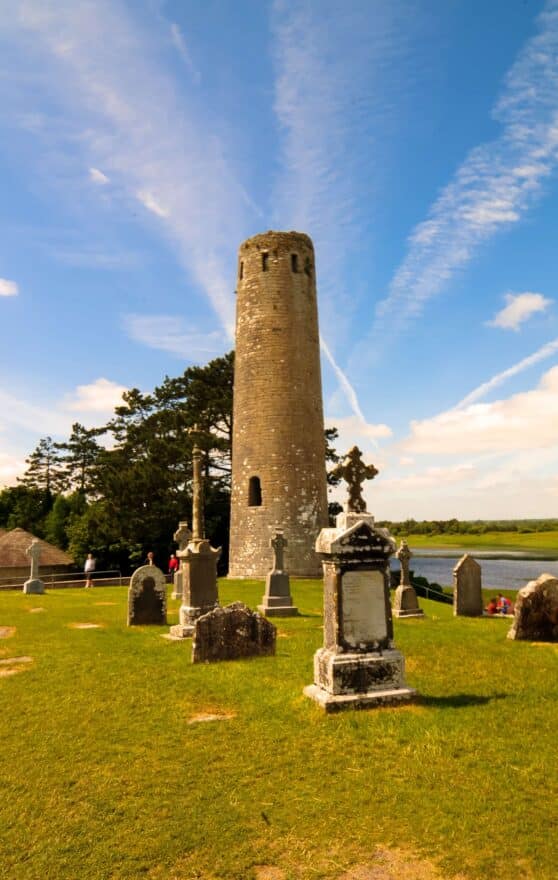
{"x": 294, "y": 262}
{"x": 254, "y": 492}
{"x": 265, "y": 259}
{"x": 308, "y": 266}
{"x": 241, "y": 270}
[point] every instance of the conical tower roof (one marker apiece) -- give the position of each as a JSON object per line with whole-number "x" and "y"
{"x": 14, "y": 543}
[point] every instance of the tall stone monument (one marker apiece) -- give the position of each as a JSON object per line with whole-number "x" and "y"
{"x": 358, "y": 665}
{"x": 277, "y": 600}
{"x": 198, "y": 564}
{"x": 405, "y": 602}
{"x": 467, "y": 588}
{"x": 278, "y": 452}
{"x": 34, "y": 584}
{"x": 182, "y": 537}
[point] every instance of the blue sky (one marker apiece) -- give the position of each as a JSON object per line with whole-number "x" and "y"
{"x": 416, "y": 141}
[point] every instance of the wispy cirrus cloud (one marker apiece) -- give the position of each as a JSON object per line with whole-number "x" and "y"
{"x": 97, "y": 176}
{"x": 129, "y": 120}
{"x": 180, "y": 45}
{"x": 330, "y": 111}
{"x": 173, "y": 334}
{"x": 518, "y": 309}
{"x": 545, "y": 351}
{"x": 494, "y": 187}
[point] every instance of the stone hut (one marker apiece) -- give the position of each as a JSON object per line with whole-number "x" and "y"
{"x": 14, "y": 563}
{"x": 278, "y": 453}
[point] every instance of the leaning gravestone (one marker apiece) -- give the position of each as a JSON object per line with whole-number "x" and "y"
{"x": 147, "y": 597}
{"x": 536, "y": 611}
{"x": 405, "y": 603}
{"x": 232, "y": 632}
{"x": 467, "y": 588}
{"x": 277, "y": 600}
{"x": 358, "y": 665}
{"x": 34, "y": 584}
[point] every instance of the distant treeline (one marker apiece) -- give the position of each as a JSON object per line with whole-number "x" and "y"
{"x": 470, "y": 527}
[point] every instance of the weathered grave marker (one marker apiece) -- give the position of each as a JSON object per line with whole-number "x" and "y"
{"x": 405, "y": 602}
{"x": 147, "y": 597}
{"x": 277, "y": 600}
{"x": 536, "y": 611}
{"x": 232, "y": 632}
{"x": 467, "y": 588}
{"x": 34, "y": 585}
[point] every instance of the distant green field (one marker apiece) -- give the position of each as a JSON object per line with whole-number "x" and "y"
{"x": 513, "y": 541}
{"x": 105, "y": 774}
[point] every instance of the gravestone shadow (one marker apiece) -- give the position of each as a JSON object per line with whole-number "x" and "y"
{"x": 458, "y": 701}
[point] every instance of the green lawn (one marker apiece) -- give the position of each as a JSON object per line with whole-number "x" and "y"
{"x": 103, "y": 777}
{"x": 535, "y": 542}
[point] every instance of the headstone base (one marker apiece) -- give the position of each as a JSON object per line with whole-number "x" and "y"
{"x": 187, "y": 617}
{"x": 181, "y": 631}
{"x": 338, "y": 702}
{"x": 354, "y": 680}
{"x": 35, "y": 587}
{"x": 406, "y": 603}
{"x": 278, "y": 610}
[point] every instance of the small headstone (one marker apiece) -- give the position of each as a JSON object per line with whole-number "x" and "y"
{"x": 405, "y": 603}
{"x": 277, "y": 600}
{"x": 147, "y": 597}
{"x": 536, "y": 611}
{"x": 359, "y": 665}
{"x": 232, "y": 632}
{"x": 182, "y": 537}
{"x": 467, "y": 588}
{"x": 34, "y": 585}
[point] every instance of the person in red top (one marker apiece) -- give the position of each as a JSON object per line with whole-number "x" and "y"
{"x": 492, "y": 606}
{"x": 173, "y": 564}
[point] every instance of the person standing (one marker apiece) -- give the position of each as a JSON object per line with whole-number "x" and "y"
{"x": 88, "y": 569}
{"x": 173, "y": 564}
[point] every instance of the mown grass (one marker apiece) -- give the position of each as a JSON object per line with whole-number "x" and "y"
{"x": 102, "y": 776}
{"x": 536, "y": 542}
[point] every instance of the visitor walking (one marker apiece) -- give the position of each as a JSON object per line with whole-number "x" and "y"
{"x": 173, "y": 564}
{"x": 88, "y": 569}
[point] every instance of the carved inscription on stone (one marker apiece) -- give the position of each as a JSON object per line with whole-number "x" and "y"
{"x": 364, "y": 612}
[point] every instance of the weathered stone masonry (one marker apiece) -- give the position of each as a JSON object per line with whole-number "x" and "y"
{"x": 278, "y": 462}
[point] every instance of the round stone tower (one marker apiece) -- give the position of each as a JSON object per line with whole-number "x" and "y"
{"x": 278, "y": 455}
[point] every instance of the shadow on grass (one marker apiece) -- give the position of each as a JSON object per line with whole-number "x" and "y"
{"x": 457, "y": 701}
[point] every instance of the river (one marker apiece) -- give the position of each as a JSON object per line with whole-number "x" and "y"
{"x": 497, "y": 574}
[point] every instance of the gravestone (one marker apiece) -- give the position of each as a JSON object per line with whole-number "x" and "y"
{"x": 536, "y": 611}
{"x": 182, "y": 537}
{"x": 467, "y": 588}
{"x": 198, "y": 563}
{"x": 277, "y": 600}
{"x": 358, "y": 665}
{"x": 147, "y": 597}
{"x": 34, "y": 585}
{"x": 232, "y": 632}
{"x": 405, "y": 602}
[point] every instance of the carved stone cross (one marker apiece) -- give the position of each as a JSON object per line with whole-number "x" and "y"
{"x": 34, "y": 553}
{"x": 404, "y": 555}
{"x": 353, "y": 470}
{"x": 278, "y": 544}
{"x": 182, "y": 535}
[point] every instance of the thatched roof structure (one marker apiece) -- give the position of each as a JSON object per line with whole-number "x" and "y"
{"x": 14, "y": 543}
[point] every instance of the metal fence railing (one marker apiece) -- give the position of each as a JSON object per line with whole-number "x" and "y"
{"x": 112, "y": 577}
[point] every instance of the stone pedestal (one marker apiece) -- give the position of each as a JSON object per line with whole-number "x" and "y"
{"x": 34, "y": 586}
{"x": 199, "y": 572}
{"x": 177, "y": 581}
{"x": 358, "y": 665}
{"x": 405, "y": 603}
{"x": 277, "y": 600}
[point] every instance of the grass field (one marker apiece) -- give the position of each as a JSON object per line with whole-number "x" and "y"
{"x": 535, "y": 542}
{"x": 103, "y": 775}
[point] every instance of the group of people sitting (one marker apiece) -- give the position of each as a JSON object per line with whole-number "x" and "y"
{"x": 499, "y": 605}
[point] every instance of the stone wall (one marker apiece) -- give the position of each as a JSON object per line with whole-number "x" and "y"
{"x": 278, "y": 464}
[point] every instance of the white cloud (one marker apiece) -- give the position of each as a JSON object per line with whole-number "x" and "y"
{"x": 97, "y": 176}
{"x": 494, "y": 187}
{"x": 150, "y": 202}
{"x": 525, "y": 421}
{"x": 173, "y": 334}
{"x": 99, "y": 397}
{"x": 8, "y": 288}
{"x": 519, "y": 307}
{"x": 11, "y": 467}
{"x": 129, "y": 120}
{"x": 541, "y": 354}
